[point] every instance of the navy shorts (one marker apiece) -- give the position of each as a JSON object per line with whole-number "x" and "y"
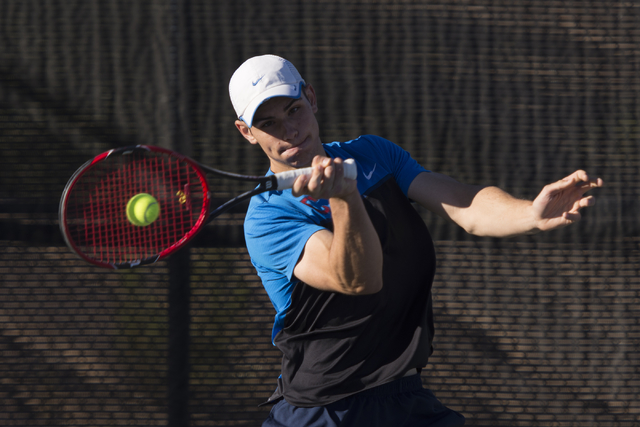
{"x": 401, "y": 403}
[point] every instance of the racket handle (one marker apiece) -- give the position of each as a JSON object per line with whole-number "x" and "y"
{"x": 286, "y": 179}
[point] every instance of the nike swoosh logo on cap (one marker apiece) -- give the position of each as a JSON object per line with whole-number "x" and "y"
{"x": 257, "y": 81}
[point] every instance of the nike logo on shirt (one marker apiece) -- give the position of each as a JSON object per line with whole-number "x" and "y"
{"x": 370, "y": 174}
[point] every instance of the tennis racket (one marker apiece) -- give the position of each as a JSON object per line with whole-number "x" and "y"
{"x": 93, "y": 208}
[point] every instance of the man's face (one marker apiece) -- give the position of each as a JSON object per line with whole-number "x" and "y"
{"x": 287, "y": 131}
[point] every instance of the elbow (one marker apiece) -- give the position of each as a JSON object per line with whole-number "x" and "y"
{"x": 465, "y": 221}
{"x": 479, "y": 228}
{"x": 369, "y": 286}
{"x": 480, "y": 232}
{"x": 470, "y": 227}
{"x": 373, "y": 289}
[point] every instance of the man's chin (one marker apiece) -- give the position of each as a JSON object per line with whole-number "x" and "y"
{"x": 297, "y": 162}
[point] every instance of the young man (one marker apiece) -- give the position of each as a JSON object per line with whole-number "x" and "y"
{"x": 349, "y": 264}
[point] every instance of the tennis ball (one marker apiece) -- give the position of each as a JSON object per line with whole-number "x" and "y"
{"x": 142, "y": 209}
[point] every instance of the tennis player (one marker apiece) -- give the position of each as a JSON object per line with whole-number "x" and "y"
{"x": 349, "y": 264}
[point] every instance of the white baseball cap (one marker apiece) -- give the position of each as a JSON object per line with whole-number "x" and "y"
{"x": 261, "y": 78}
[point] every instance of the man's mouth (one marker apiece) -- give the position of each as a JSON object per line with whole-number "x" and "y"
{"x": 297, "y": 147}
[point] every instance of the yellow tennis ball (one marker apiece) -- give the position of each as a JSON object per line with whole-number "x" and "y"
{"x": 142, "y": 209}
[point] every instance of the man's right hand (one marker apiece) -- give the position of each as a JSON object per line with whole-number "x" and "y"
{"x": 327, "y": 180}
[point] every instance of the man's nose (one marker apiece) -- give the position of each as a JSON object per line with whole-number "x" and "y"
{"x": 290, "y": 130}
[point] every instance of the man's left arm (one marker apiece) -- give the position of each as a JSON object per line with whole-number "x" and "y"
{"x": 490, "y": 211}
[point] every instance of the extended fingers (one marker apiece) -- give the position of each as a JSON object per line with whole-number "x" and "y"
{"x": 577, "y": 176}
{"x": 587, "y": 185}
{"x": 582, "y": 178}
{"x": 579, "y": 179}
{"x": 584, "y": 203}
{"x": 587, "y": 201}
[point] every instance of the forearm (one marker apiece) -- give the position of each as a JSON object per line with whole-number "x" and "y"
{"x": 355, "y": 254}
{"x": 494, "y": 213}
{"x": 482, "y": 211}
{"x": 347, "y": 259}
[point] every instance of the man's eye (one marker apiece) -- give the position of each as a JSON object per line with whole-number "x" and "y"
{"x": 266, "y": 124}
{"x": 293, "y": 110}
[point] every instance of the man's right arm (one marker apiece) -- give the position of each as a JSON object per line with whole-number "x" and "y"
{"x": 348, "y": 259}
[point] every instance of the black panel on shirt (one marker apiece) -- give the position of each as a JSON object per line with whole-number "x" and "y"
{"x": 335, "y": 345}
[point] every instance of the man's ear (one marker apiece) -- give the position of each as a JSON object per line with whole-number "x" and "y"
{"x": 310, "y": 93}
{"x": 245, "y": 131}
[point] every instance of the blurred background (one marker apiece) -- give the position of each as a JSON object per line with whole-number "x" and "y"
{"x": 538, "y": 330}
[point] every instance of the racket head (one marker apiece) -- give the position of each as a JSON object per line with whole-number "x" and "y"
{"x": 92, "y": 213}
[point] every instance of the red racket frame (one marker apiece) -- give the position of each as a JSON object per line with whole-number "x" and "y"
{"x": 92, "y": 212}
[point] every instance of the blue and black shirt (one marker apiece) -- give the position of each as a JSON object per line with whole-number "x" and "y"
{"x": 336, "y": 345}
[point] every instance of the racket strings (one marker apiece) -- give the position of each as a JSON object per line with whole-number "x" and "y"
{"x": 96, "y": 210}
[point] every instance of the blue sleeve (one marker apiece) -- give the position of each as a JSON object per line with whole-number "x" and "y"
{"x": 403, "y": 167}
{"x": 276, "y": 236}
{"x": 377, "y": 158}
